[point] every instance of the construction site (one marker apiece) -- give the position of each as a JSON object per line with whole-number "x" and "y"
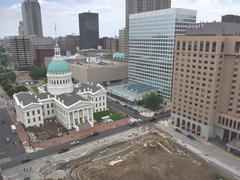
{"x": 153, "y": 156}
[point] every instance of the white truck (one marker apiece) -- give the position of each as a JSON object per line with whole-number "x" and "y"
{"x": 133, "y": 121}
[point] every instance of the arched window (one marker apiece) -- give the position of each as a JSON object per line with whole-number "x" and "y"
{"x": 178, "y": 122}
{"x": 183, "y": 124}
{"x": 188, "y": 126}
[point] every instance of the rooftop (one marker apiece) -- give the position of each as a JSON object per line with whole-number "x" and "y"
{"x": 214, "y": 28}
{"x": 70, "y": 99}
{"x": 104, "y": 63}
{"x": 130, "y": 92}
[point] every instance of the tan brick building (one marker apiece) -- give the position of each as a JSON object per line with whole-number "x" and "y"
{"x": 206, "y": 82}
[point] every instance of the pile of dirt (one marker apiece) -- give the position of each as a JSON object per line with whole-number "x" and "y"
{"x": 154, "y": 159}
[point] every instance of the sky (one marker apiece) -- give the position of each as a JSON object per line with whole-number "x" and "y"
{"x": 111, "y": 14}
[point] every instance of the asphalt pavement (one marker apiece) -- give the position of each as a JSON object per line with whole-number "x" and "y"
{"x": 16, "y": 160}
{"x": 126, "y": 110}
{"x": 8, "y": 149}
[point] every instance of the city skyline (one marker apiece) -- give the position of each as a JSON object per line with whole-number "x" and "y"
{"x": 111, "y": 14}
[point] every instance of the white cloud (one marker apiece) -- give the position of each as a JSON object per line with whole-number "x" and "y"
{"x": 209, "y": 10}
{"x": 65, "y": 14}
{"x": 111, "y": 14}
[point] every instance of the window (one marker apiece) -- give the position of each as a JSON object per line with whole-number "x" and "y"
{"x": 33, "y": 112}
{"x": 184, "y": 45}
{"x": 52, "y": 105}
{"x": 39, "y": 118}
{"x": 226, "y": 122}
{"x": 234, "y": 124}
{"x": 207, "y": 46}
{"x": 230, "y": 124}
{"x": 219, "y": 120}
{"x": 214, "y": 44}
{"x": 29, "y": 121}
{"x": 27, "y": 113}
{"x": 222, "y": 46}
{"x": 38, "y": 111}
{"x": 189, "y": 45}
{"x": 47, "y": 105}
{"x": 195, "y": 45}
{"x": 201, "y": 46}
{"x": 178, "y": 45}
{"x": 34, "y": 119}
{"x": 237, "y": 47}
{"x": 52, "y": 111}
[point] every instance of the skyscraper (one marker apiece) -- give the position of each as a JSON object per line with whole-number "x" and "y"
{"x": 121, "y": 40}
{"x": 206, "y": 81}
{"x": 89, "y": 30}
{"x": 151, "y": 46}
{"x": 32, "y": 20}
{"x": 138, "y": 6}
{"x": 19, "y": 48}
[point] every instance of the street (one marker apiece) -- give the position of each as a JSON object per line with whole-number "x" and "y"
{"x": 125, "y": 110}
{"x": 13, "y": 147}
{"x": 16, "y": 160}
{"x": 34, "y": 167}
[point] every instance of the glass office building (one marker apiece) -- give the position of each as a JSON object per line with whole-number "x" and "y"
{"x": 151, "y": 46}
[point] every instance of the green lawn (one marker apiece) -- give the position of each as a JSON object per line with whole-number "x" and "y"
{"x": 110, "y": 112}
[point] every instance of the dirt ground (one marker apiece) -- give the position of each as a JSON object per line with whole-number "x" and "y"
{"x": 49, "y": 130}
{"x": 154, "y": 159}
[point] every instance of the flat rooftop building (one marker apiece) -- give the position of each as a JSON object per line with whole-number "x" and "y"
{"x": 106, "y": 72}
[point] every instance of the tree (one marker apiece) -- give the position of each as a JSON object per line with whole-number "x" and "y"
{"x": 152, "y": 101}
{"x": 3, "y": 60}
{"x": 37, "y": 72}
{"x": 20, "y": 88}
{"x": 12, "y": 76}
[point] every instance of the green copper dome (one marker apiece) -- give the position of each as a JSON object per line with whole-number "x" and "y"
{"x": 58, "y": 66}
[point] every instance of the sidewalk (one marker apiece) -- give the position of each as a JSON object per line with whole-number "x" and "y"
{"x": 74, "y": 135}
{"x": 20, "y": 131}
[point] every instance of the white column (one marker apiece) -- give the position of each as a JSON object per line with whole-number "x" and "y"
{"x": 78, "y": 113}
{"x": 74, "y": 124}
{"x": 68, "y": 121}
{"x": 91, "y": 111}
{"x": 83, "y": 113}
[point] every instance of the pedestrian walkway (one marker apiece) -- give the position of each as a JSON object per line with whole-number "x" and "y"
{"x": 74, "y": 135}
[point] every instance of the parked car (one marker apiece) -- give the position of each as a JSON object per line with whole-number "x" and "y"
{"x": 191, "y": 137}
{"x": 94, "y": 133}
{"x": 133, "y": 122}
{"x": 73, "y": 143}
{"x": 63, "y": 150}
{"x": 178, "y": 130}
{"x": 26, "y": 159}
